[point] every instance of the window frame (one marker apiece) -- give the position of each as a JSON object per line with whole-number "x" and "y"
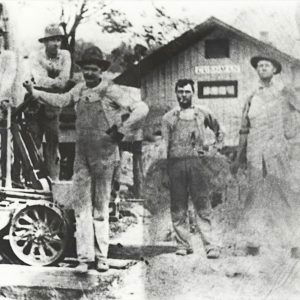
{"x": 217, "y": 83}
{"x": 213, "y": 43}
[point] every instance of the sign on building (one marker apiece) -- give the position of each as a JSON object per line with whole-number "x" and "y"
{"x": 218, "y": 69}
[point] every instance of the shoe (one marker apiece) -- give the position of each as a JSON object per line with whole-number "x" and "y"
{"x": 102, "y": 265}
{"x": 252, "y": 250}
{"x": 181, "y": 252}
{"x": 184, "y": 252}
{"x": 190, "y": 251}
{"x": 82, "y": 267}
{"x": 212, "y": 253}
{"x": 295, "y": 252}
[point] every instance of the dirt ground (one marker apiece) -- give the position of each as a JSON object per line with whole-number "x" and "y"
{"x": 157, "y": 273}
{"x": 273, "y": 275}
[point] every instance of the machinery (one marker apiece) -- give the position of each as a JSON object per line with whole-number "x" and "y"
{"x": 35, "y": 225}
{"x": 39, "y": 230}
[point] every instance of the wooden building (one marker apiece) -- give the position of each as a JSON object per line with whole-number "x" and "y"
{"x": 217, "y": 57}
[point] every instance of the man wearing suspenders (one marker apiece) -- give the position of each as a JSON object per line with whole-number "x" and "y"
{"x": 189, "y": 166}
{"x": 97, "y": 154}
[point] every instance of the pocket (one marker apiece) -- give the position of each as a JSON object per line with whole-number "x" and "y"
{"x": 107, "y": 146}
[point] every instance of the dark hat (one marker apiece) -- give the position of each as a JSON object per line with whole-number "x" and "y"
{"x": 52, "y": 31}
{"x": 255, "y": 59}
{"x": 93, "y": 55}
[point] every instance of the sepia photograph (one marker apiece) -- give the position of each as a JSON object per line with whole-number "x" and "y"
{"x": 149, "y": 150}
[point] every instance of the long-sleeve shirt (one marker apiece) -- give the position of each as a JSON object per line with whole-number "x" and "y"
{"x": 8, "y": 69}
{"x": 49, "y": 72}
{"x": 267, "y": 123}
{"x": 133, "y": 126}
{"x": 106, "y": 92}
{"x": 184, "y": 131}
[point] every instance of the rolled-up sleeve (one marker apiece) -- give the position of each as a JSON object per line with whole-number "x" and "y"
{"x": 137, "y": 114}
{"x": 211, "y": 122}
{"x": 40, "y": 73}
{"x": 57, "y": 100}
{"x": 166, "y": 135}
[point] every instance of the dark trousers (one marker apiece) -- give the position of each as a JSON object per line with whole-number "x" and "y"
{"x": 137, "y": 168}
{"x": 189, "y": 180}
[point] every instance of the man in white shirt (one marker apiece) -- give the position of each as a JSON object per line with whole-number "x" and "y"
{"x": 50, "y": 71}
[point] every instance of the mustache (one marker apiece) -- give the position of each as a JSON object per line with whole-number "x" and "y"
{"x": 89, "y": 77}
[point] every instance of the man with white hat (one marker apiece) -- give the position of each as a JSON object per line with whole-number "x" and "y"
{"x": 50, "y": 71}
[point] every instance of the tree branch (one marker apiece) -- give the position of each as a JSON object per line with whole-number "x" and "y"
{"x": 79, "y": 17}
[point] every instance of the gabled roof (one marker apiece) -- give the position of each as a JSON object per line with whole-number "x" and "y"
{"x": 132, "y": 76}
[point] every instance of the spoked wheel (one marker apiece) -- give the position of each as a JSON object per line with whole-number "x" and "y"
{"x": 38, "y": 235}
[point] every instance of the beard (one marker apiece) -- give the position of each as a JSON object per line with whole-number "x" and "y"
{"x": 185, "y": 104}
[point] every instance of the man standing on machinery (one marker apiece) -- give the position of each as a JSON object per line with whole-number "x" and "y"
{"x": 50, "y": 70}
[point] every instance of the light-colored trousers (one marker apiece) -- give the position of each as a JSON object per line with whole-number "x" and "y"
{"x": 92, "y": 188}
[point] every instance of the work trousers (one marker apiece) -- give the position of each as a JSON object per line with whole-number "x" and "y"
{"x": 135, "y": 148}
{"x": 188, "y": 179}
{"x": 92, "y": 187}
{"x": 43, "y": 125}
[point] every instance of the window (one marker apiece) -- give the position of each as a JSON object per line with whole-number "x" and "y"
{"x": 218, "y": 48}
{"x": 217, "y": 89}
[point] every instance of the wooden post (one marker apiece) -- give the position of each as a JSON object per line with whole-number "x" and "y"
{"x": 8, "y": 183}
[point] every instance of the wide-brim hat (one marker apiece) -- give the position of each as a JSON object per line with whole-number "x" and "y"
{"x": 93, "y": 55}
{"x": 255, "y": 59}
{"x": 52, "y": 31}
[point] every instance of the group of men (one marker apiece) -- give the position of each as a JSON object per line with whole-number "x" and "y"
{"x": 103, "y": 121}
{"x": 263, "y": 150}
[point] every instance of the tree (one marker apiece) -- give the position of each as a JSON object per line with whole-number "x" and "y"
{"x": 73, "y": 13}
{"x": 162, "y": 29}
{"x": 137, "y": 43}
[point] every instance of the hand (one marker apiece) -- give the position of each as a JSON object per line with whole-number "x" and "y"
{"x": 212, "y": 151}
{"x": 4, "y": 104}
{"x": 28, "y": 85}
{"x": 234, "y": 167}
{"x": 114, "y": 134}
{"x": 165, "y": 181}
{"x": 125, "y": 117}
{"x": 69, "y": 85}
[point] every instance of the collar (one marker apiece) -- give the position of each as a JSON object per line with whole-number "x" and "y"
{"x": 262, "y": 85}
{"x": 54, "y": 58}
{"x": 179, "y": 109}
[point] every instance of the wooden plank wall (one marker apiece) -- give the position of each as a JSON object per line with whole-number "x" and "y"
{"x": 160, "y": 82}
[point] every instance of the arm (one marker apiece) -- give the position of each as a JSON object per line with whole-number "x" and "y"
{"x": 166, "y": 133}
{"x": 137, "y": 114}
{"x": 8, "y": 70}
{"x": 291, "y": 97}
{"x": 40, "y": 73}
{"x": 211, "y": 122}
{"x": 64, "y": 75}
{"x": 57, "y": 100}
{"x": 244, "y": 131}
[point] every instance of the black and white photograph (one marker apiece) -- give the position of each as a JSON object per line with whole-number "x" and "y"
{"x": 149, "y": 150}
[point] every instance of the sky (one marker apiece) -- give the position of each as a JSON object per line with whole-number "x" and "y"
{"x": 29, "y": 17}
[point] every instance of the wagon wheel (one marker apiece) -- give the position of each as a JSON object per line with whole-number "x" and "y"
{"x": 38, "y": 235}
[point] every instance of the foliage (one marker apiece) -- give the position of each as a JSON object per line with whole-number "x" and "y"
{"x": 136, "y": 43}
